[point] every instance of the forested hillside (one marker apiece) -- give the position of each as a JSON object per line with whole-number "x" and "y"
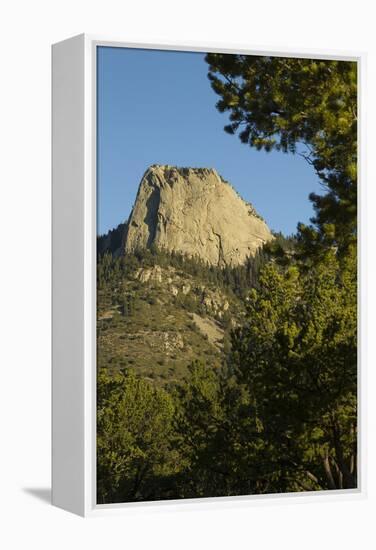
{"x": 158, "y": 312}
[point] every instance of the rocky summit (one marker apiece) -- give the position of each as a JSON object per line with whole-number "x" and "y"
{"x": 195, "y": 212}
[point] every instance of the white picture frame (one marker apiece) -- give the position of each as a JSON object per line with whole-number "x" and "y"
{"x": 74, "y": 279}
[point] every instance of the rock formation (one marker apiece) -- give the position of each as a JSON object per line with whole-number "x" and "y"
{"x": 195, "y": 212}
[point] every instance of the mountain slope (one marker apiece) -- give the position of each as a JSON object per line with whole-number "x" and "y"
{"x": 157, "y": 317}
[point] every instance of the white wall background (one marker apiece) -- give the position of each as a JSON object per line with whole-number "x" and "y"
{"x": 27, "y": 30}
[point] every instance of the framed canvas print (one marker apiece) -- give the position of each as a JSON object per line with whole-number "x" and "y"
{"x": 206, "y": 231}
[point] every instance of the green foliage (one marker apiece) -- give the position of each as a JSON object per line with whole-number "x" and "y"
{"x": 296, "y": 357}
{"x": 134, "y": 427}
{"x": 111, "y": 270}
{"x": 111, "y": 241}
{"x": 286, "y": 103}
{"x": 197, "y": 424}
{"x": 281, "y": 416}
{"x": 127, "y": 305}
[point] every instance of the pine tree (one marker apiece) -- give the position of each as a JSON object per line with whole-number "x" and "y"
{"x": 304, "y": 106}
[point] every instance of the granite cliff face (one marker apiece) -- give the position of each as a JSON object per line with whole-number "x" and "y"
{"x": 195, "y": 212}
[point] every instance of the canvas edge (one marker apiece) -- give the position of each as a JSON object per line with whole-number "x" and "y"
{"x": 68, "y": 381}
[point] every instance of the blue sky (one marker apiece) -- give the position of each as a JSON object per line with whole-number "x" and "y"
{"x": 157, "y": 107}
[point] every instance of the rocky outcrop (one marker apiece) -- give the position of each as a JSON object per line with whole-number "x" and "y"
{"x": 212, "y": 301}
{"x": 146, "y": 274}
{"x": 195, "y": 212}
